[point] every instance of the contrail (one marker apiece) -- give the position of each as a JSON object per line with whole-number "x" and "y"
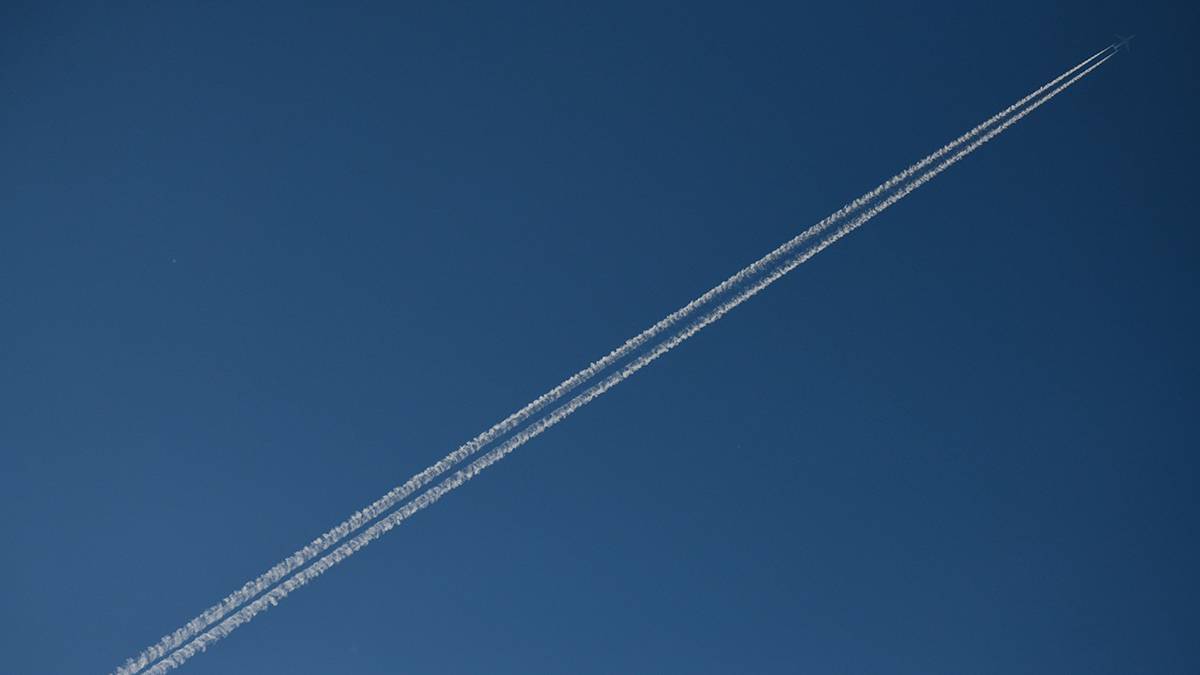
{"x": 398, "y": 494}
{"x": 461, "y": 476}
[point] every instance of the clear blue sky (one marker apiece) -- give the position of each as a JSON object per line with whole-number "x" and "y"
{"x": 260, "y": 264}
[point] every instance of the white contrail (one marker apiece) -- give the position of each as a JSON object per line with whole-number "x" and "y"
{"x": 474, "y": 468}
{"x": 397, "y": 494}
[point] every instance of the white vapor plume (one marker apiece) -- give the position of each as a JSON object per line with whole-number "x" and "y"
{"x": 399, "y": 493}
{"x": 271, "y": 598}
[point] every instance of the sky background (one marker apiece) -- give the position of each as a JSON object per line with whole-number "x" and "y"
{"x": 258, "y": 265}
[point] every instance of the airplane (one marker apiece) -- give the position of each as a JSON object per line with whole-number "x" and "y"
{"x": 1122, "y": 43}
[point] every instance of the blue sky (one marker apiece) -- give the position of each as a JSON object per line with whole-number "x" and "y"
{"x": 259, "y": 265}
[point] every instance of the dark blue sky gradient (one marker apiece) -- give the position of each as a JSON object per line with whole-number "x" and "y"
{"x": 260, "y": 264}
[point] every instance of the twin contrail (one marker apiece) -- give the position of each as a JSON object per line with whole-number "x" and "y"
{"x": 398, "y": 494}
{"x": 780, "y": 262}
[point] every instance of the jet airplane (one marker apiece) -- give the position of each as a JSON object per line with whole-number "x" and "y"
{"x": 1122, "y": 43}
